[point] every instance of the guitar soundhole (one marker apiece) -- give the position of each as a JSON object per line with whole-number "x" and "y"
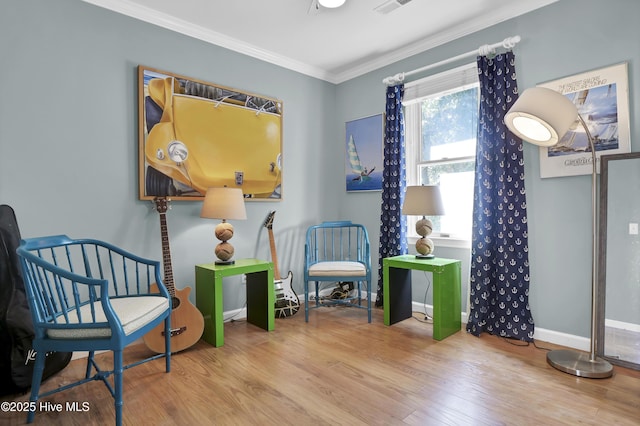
{"x": 175, "y": 302}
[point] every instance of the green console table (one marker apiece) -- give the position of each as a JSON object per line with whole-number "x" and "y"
{"x": 260, "y": 295}
{"x": 396, "y": 287}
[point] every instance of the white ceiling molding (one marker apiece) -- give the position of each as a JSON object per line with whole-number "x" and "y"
{"x": 444, "y": 37}
{"x": 338, "y": 75}
{"x": 163, "y": 20}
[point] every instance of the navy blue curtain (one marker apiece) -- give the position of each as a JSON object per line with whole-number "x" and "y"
{"x": 499, "y": 282}
{"x": 393, "y": 226}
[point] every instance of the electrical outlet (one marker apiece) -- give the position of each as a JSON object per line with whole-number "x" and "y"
{"x": 633, "y": 229}
{"x": 239, "y": 178}
{"x": 244, "y": 279}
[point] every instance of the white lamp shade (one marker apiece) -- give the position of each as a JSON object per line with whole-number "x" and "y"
{"x": 541, "y": 116}
{"x": 424, "y": 200}
{"x": 224, "y": 203}
{"x": 331, "y": 3}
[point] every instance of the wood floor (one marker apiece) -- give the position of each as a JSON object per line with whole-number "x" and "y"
{"x": 340, "y": 370}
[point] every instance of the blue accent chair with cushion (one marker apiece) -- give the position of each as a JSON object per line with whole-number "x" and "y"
{"x": 337, "y": 252}
{"x": 88, "y": 295}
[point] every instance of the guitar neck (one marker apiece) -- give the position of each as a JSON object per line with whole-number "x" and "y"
{"x": 274, "y": 257}
{"x": 166, "y": 255}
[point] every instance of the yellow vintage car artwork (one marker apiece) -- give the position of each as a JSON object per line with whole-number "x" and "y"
{"x": 198, "y": 136}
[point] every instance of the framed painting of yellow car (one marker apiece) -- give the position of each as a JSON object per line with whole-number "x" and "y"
{"x": 194, "y": 135}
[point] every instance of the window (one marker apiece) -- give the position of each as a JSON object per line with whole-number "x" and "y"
{"x": 441, "y": 124}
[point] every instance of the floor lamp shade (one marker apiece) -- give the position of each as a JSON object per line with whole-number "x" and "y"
{"x": 541, "y": 116}
{"x": 224, "y": 203}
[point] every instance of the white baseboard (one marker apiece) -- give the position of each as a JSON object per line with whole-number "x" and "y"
{"x": 622, "y": 325}
{"x": 541, "y": 334}
{"x": 569, "y": 340}
{"x": 236, "y": 314}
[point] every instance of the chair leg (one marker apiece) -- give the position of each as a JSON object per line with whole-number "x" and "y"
{"x": 317, "y": 294}
{"x": 117, "y": 382}
{"x": 306, "y": 301}
{"x": 167, "y": 343}
{"x": 38, "y": 369}
{"x": 368, "y": 300}
{"x": 89, "y": 364}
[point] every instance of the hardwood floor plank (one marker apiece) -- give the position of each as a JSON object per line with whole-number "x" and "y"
{"x": 340, "y": 370}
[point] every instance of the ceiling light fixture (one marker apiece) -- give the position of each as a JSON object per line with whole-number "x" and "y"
{"x": 331, "y": 3}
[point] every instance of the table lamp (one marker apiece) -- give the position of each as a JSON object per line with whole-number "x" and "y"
{"x": 542, "y": 116}
{"x": 424, "y": 200}
{"x": 224, "y": 203}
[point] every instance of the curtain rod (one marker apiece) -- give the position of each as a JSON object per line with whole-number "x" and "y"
{"x": 483, "y": 50}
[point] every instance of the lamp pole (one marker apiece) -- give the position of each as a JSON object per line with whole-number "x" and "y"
{"x": 594, "y": 239}
{"x": 569, "y": 361}
{"x": 542, "y": 116}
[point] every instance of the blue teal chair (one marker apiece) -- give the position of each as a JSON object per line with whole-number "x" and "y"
{"x": 337, "y": 252}
{"x": 88, "y": 295}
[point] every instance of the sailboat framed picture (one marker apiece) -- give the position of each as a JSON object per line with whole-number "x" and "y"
{"x": 363, "y": 160}
{"x": 602, "y": 99}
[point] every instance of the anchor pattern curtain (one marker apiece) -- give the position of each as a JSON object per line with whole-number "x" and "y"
{"x": 393, "y": 226}
{"x": 499, "y": 281}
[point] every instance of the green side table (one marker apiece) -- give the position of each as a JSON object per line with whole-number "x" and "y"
{"x": 396, "y": 287}
{"x": 260, "y": 295}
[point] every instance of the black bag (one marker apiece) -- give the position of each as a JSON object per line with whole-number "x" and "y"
{"x": 17, "y": 356}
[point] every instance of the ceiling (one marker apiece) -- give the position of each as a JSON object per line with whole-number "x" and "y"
{"x": 331, "y": 44}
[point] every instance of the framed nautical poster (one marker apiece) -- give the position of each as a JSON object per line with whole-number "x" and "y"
{"x": 194, "y": 135}
{"x": 363, "y": 160}
{"x": 602, "y": 99}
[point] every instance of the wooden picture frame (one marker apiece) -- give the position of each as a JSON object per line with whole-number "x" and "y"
{"x": 194, "y": 135}
{"x": 364, "y": 155}
{"x": 602, "y": 99}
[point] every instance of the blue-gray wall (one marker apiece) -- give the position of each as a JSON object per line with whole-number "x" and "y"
{"x": 68, "y": 134}
{"x": 68, "y": 138}
{"x": 565, "y": 38}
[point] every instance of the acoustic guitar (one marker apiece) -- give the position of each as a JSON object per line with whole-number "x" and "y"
{"x": 187, "y": 323}
{"x": 287, "y": 301}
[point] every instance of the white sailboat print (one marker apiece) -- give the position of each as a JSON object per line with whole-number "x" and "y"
{"x": 357, "y": 168}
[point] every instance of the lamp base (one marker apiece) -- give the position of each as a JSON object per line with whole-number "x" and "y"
{"x": 224, "y": 252}
{"x": 424, "y": 256}
{"x": 225, "y": 262}
{"x": 579, "y": 364}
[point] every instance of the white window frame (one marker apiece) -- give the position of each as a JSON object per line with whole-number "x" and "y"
{"x": 415, "y": 91}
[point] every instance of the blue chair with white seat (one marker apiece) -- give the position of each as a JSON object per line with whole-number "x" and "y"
{"x": 337, "y": 252}
{"x": 88, "y": 295}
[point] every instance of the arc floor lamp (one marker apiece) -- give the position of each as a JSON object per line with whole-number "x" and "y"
{"x": 542, "y": 116}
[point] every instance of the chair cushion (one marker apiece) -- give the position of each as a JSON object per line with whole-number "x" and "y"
{"x": 133, "y": 312}
{"x": 339, "y": 268}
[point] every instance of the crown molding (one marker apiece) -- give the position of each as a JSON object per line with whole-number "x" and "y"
{"x": 479, "y": 23}
{"x": 349, "y": 71}
{"x": 172, "y": 23}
